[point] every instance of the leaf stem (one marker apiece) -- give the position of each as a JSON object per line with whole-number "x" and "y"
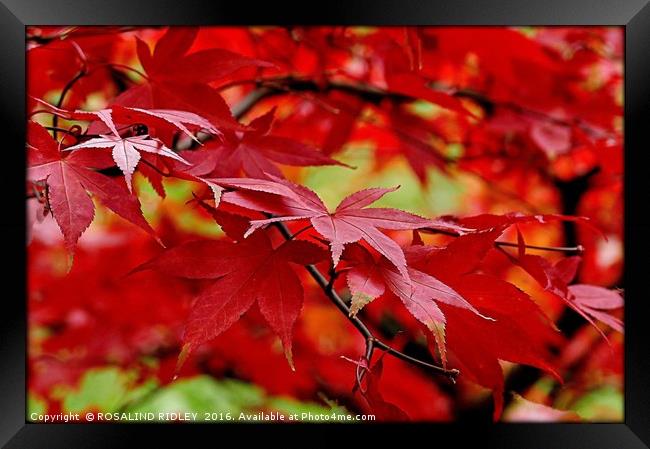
{"x": 567, "y": 249}
{"x": 500, "y": 244}
{"x": 128, "y": 68}
{"x": 361, "y": 370}
{"x": 156, "y": 169}
{"x": 296, "y": 234}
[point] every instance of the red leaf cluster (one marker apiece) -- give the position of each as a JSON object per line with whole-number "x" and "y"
{"x": 239, "y": 112}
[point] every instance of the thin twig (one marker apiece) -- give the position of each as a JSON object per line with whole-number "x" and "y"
{"x": 113, "y": 65}
{"x": 68, "y": 132}
{"x": 452, "y": 373}
{"x": 371, "y": 340}
{"x": 66, "y": 89}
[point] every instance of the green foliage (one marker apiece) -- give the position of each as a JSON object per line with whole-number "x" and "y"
{"x": 105, "y": 389}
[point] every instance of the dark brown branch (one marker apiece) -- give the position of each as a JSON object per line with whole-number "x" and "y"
{"x": 74, "y": 132}
{"x": 115, "y": 66}
{"x": 376, "y": 95}
{"x": 371, "y": 340}
{"x": 241, "y": 108}
{"x": 452, "y": 373}
{"x": 369, "y": 94}
{"x": 286, "y": 85}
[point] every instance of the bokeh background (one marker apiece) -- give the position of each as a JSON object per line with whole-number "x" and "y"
{"x": 548, "y": 139}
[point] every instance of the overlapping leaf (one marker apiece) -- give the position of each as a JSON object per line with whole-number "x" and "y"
{"x": 157, "y": 118}
{"x": 591, "y": 302}
{"x": 519, "y": 331}
{"x": 126, "y": 151}
{"x": 69, "y": 178}
{"x": 178, "y": 80}
{"x": 384, "y": 410}
{"x": 256, "y": 153}
{"x": 249, "y": 271}
{"x": 596, "y": 302}
{"x": 368, "y": 278}
{"x": 349, "y": 223}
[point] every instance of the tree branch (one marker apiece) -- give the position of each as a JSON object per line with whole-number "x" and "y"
{"x": 372, "y": 341}
{"x": 372, "y": 95}
{"x": 272, "y": 86}
{"x": 241, "y": 108}
{"x": 376, "y": 95}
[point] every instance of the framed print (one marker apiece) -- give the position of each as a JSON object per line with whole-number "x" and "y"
{"x": 378, "y": 219}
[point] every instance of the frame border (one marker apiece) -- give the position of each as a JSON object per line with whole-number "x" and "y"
{"x": 634, "y": 15}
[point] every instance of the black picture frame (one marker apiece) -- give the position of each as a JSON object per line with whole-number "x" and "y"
{"x": 634, "y": 15}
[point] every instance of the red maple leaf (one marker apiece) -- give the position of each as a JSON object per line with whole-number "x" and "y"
{"x": 69, "y": 179}
{"x": 384, "y": 410}
{"x": 368, "y": 278}
{"x": 161, "y": 119}
{"x": 596, "y": 301}
{"x": 256, "y": 153}
{"x": 349, "y": 223}
{"x": 591, "y": 302}
{"x": 414, "y": 135}
{"x": 519, "y": 331}
{"x": 177, "y": 80}
{"x": 126, "y": 151}
{"x": 244, "y": 272}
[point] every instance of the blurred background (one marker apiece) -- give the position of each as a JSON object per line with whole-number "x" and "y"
{"x": 546, "y": 138}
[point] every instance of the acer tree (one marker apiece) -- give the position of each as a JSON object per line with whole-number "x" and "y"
{"x": 265, "y": 160}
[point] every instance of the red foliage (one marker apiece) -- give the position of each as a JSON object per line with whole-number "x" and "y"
{"x": 237, "y": 110}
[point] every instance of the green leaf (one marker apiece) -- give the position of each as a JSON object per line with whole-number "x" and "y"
{"x": 105, "y": 389}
